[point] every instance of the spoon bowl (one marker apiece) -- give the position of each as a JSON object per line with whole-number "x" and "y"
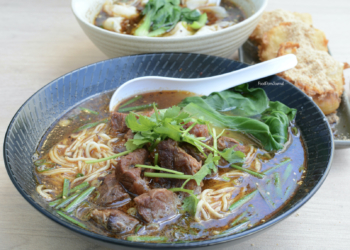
{"x": 202, "y": 86}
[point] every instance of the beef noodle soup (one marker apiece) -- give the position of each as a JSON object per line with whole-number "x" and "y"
{"x": 175, "y": 18}
{"x": 170, "y": 166}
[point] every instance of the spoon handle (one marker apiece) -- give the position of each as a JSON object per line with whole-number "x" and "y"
{"x": 248, "y": 74}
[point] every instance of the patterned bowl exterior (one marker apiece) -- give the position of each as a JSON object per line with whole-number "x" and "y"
{"x": 61, "y": 95}
{"x": 220, "y": 43}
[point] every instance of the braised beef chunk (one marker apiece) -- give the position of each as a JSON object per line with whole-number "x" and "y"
{"x": 128, "y": 175}
{"x": 227, "y": 142}
{"x": 173, "y": 157}
{"x": 193, "y": 151}
{"x": 157, "y": 204}
{"x": 198, "y": 130}
{"x": 114, "y": 220}
{"x": 118, "y": 123}
{"x": 148, "y": 113}
{"x": 111, "y": 191}
{"x": 118, "y": 146}
{"x": 128, "y": 135}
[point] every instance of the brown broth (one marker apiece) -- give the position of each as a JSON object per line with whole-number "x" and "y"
{"x": 163, "y": 99}
{"x": 259, "y": 209}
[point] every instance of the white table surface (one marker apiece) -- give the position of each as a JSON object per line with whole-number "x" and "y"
{"x": 41, "y": 40}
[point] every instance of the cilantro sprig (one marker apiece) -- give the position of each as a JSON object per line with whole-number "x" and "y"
{"x": 161, "y": 125}
{"x": 190, "y": 202}
{"x": 206, "y": 169}
{"x": 169, "y": 123}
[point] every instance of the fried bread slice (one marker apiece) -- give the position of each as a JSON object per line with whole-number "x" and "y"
{"x": 273, "y": 18}
{"x": 318, "y": 74}
{"x": 297, "y": 32}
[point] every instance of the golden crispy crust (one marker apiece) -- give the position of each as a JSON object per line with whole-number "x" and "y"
{"x": 274, "y": 18}
{"x": 296, "y": 32}
{"x": 328, "y": 103}
{"x": 317, "y": 74}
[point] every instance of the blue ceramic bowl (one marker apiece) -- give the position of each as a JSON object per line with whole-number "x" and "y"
{"x": 52, "y": 101}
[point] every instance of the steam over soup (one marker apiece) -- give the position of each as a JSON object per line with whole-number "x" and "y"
{"x": 170, "y": 166}
{"x": 155, "y": 18}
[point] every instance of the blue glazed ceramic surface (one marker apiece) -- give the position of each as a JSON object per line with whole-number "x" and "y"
{"x": 56, "y": 98}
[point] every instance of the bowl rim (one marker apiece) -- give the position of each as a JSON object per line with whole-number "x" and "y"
{"x": 247, "y": 21}
{"x": 145, "y": 245}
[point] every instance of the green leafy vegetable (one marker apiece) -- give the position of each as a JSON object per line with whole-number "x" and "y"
{"x": 241, "y": 101}
{"x": 143, "y": 123}
{"x": 161, "y": 125}
{"x": 206, "y": 169}
{"x": 232, "y": 156}
{"x": 190, "y": 205}
{"x": 190, "y": 202}
{"x": 189, "y": 15}
{"x": 271, "y": 131}
{"x": 256, "y": 128}
{"x": 160, "y": 16}
{"x": 277, "y": 117}
{"x": 163, "y": 15}
{"x": 200, "y": 23}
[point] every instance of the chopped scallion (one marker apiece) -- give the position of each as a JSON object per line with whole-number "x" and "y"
{"x": 79, "y": 199}
{"x": 145, "y": 106}
{"x": 138, "y": 97}
{"x": 277, "y": 166}
{"x": 89, "y": 111}
{"x": 65, "y": 191}
{"x": 90, "y": 125}
{"x": 71, "y": 219}
{"x": 147, "y": 238}
{"x": 243, "y": 200}
{"x": 159, "y": 168}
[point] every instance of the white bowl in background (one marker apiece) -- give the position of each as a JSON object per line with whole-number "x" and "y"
{"x": 221, "y": 43}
